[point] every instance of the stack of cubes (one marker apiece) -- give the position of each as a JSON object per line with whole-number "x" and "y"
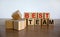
{"x": 17, "y": 22}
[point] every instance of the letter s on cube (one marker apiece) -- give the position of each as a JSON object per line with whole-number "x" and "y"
{"x": 40, "y": 15}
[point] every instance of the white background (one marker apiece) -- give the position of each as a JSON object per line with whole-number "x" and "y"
{"x": 7, "y": 7}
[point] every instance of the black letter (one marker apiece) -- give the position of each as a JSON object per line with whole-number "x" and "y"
{"x": 44, "y": 22}
{"x": 37, "y": 21}
{"x": 51, "y": 21}
{"x": 30, "y": 21}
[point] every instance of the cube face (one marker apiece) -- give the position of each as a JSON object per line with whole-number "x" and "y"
{"x": 26, "y": 15}
{"x": 37, "y": 21}
{"x": 30, "y": 21}
{"x": 44, "y": 21}
{"x": 16, "y": 25}
{"x": 16, "y": 15}
{"x": 34, "y": 15}
{"x": 40, "y": 15}
{"x": 19, "y": 25}
{"x": 51, "y": 22}
{"x": 47, "y": 15}
{"x": 22, "y": 25}
{"x": 9, "y": 24}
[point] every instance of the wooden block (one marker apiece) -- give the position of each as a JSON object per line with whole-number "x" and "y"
{"x": 29, "y": 14}
{"x": 37, "y": 21}
{"x": 9, "y": 24}
{"x": 30, "y": 21}
{"x": 44, "y": 22}
{"x": 34, "y": 15}
{"x": 19, "y": 24}
{"x": 26, "y": 15}
{"x": 22, "y": 25}
{"x": 17, "y": 15}
{"x": 40, "y": 15}
{"x": 47, "y": 15}
{"x": 51, "y": 22}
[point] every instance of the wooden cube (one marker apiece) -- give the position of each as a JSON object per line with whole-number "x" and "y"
{"x": 26, "y": 15}
{"x": 40, "y": 15}
{"x": 44, "y": 21}
{"x": 37, "y": 21}
{"x": 34, "y": 15}
{"x": 9, "y": 24}
{"x": 51, "y": 22}
{"x": 19, "y": 24}
{"x": 16, "y": 15}
{"x": 46, "y": 15}
{"x": 30, "y": 21}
